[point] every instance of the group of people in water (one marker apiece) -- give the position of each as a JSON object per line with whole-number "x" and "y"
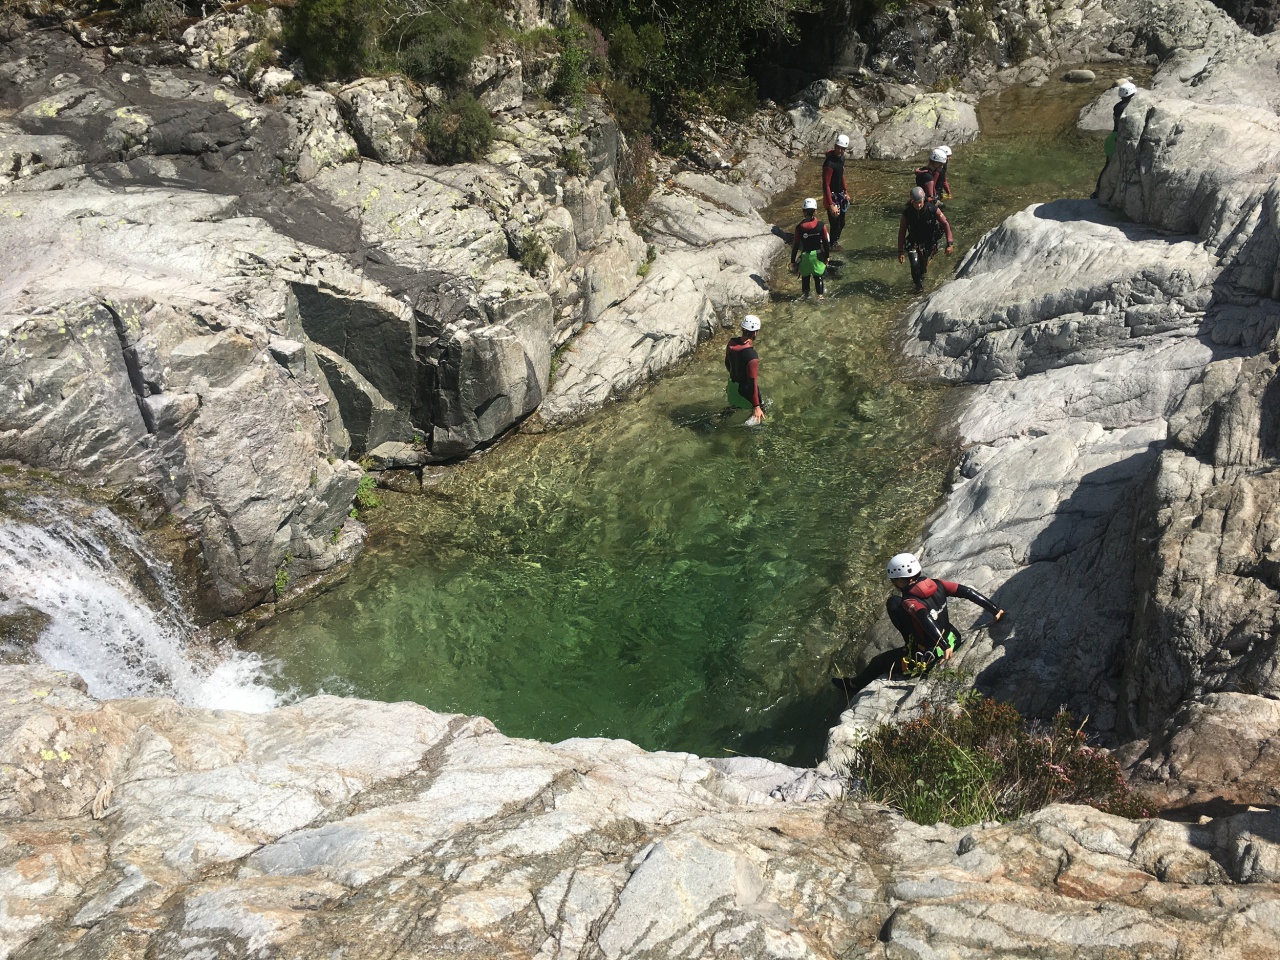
{"x": 919, "y": 609}
{"x": 920, "y": 228}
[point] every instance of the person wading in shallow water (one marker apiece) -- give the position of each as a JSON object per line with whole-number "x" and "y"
{"x": 921, "y": 225}
{"x": 810, "y": 249}
{"x": 743, "y": 364}
{"x": 834, "y": 194}
{"x": 932, "y": 177}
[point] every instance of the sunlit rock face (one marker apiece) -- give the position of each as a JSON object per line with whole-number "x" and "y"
{"x": 138, "y": 828}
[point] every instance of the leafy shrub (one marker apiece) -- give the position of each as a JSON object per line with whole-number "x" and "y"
{"x": 458, "y": 131}
{"x": 572, "y": 162}
{"x": 156, "y": 17}
{"x": 977, "y": 759}
{"x": 282, "y": 575}
{"x": 582, "y": 56}
{"x": 532, "y": 253}
{"x": 1018, "y": 44}
{"x": 432, "y": 41}
{"x": 367, "y": 493}
{"x": 630, "y": 107}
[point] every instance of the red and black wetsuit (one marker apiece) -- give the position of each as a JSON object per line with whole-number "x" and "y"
{"x": 921, "y": 616}
{"x": 834, "y": 192}
{"x": 743, "y": 364}
{"x": 933, "y": 182}
{"x": 918, "y": 232}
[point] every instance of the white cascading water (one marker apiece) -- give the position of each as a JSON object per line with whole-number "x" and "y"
{"x": 100, "y": 624}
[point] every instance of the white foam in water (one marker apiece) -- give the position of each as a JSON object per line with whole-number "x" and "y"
{"x": 101, "y": 626}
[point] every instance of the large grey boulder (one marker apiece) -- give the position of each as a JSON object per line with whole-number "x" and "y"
{"x": 348, "y": 827}
{"x": 927, "y": 121}
{"x": 383, "y": 116}
{"x": 137, "y": 352}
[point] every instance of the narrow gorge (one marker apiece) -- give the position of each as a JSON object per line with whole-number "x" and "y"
{"x": 234, "y": 300}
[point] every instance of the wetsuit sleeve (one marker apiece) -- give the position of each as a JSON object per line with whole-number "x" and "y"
{"x": 943, "y": 185}
{"x": 826, "y": 243}
{"x": 942, "y": 219}
{"x": 753, "y": 371}
{"x": 970, "y": 594}
{"x": 727, "y": 365}
{"x": 902, "y": 233}
{"x": 827, "y": 171}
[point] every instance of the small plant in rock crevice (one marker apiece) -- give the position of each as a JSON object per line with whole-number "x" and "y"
{"x": 367, "y": 493}
{"x": 975, "y": 759}
{"x": 282, "y": 575}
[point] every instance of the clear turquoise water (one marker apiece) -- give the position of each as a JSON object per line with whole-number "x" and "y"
{"x": 660, "y": 576}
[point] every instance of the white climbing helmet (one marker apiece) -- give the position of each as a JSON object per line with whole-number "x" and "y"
{"x": 750, "y": 323}
{"x": 939, "y": 155}
{"x": 1127, "y": 90}
{"x": 904, "y": 566}
{"x": 842, "y": 140}
{"x": 947, "y": 150}
{"x": 810, "y": 203}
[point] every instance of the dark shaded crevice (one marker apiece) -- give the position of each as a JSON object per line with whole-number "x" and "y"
{"x": 141, "y": 389}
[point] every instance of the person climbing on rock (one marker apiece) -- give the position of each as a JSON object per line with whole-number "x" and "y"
{"x": 810, "y": 249}
{"x": 919, "y": 611}
{"x": 834, "y": 194}
{"x": 743, "y": 364}
{"x": 932, "y": 177}
{"x": 921, "y": 225}
{"x": 1126, "y": 91}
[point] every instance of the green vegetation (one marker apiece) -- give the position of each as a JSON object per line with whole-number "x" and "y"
{"x": 458, "y": 131}
{"x": 973, "y": 759}
{"x": 426, "y": 40}
{"x": 367, "y": 493}
{"x": 532, "y": 253}
{"x": 282, "y": 575}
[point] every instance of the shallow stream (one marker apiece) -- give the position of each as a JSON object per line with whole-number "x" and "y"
{"x": 662, "y": 575}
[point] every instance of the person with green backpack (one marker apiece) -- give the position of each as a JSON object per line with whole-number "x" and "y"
{"x": 810, "y": 249}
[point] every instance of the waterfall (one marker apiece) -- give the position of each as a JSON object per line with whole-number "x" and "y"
{"x": 100, "y": 622}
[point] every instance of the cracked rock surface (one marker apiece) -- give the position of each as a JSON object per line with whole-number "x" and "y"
{"x": 138, "y": 828}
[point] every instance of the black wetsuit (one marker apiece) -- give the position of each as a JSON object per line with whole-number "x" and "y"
{"x": 834, "y": 193}
{"x": 918, "y": 233}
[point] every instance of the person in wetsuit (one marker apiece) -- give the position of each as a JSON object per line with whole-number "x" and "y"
{"x": 932, "y": 177}
{"x": 1126, "y": 91}
{"x": 743, "y": 364}
{"x": 919, "y": 611}
{"x": 810, "y": 249}
{"x": 834, "y": 194}
{"x": 921, "y": 225}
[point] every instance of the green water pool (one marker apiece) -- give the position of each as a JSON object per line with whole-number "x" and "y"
{"x": 655, "y": 575}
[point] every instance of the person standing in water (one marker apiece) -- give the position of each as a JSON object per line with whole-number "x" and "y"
{"x": 743, "y": 364}
{"x": 810, "y": 249}
{"x": 932, "y": 177}
{"x": 834, "y": 194}
{"x": 921, "y": 225}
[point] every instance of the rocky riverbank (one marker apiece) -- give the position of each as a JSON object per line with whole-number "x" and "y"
{"x": 1119, "y": 485}
{"x": 338, "y": 827}
{"x": 1116, "y": 492}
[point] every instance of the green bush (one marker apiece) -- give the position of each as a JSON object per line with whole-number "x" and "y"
{"x": 630, "y": 107}
{"x": 977, "y": 759}
{"x": 635, "y": 176}
{"x": 532, "y": 253}
{"x": 582, "y": 56}
{"x": 429, "y": 41}
{"x": 459, "y": 131}
{"x": 367, "y": 493}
